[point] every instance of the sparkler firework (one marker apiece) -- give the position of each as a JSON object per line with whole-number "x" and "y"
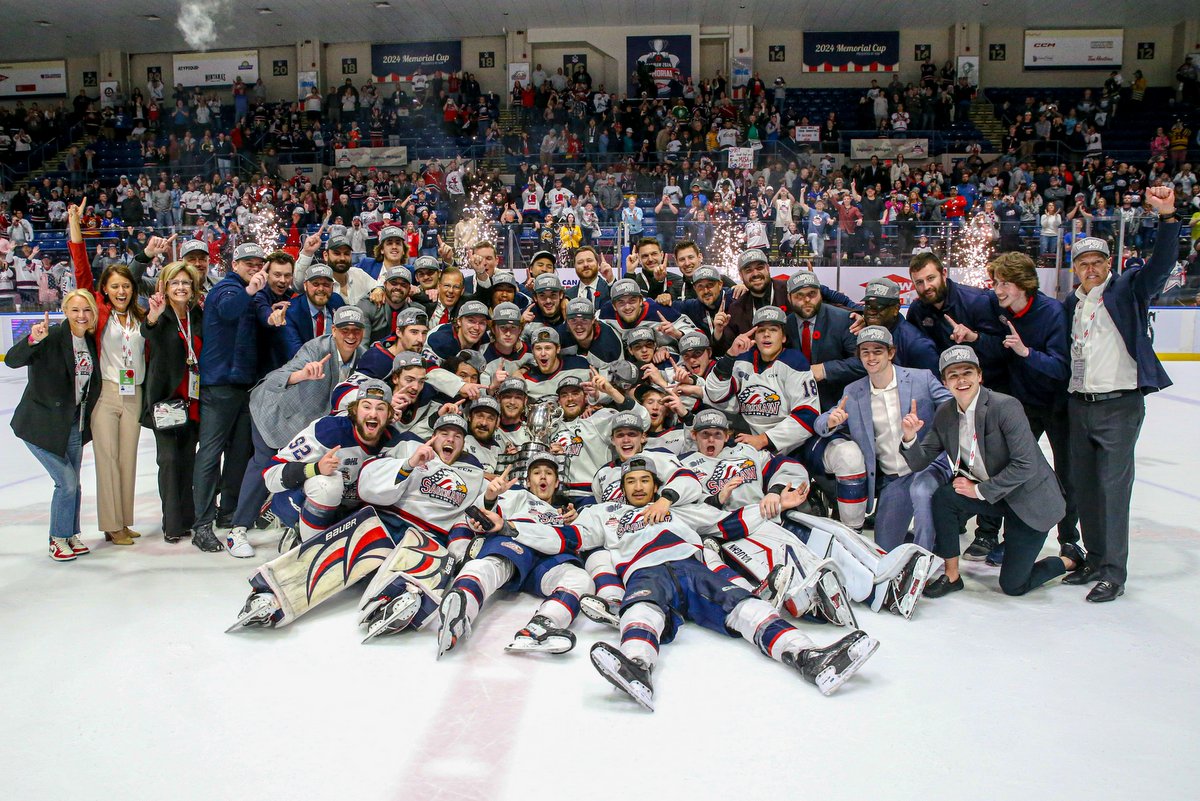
{"x": 971, "y": 249}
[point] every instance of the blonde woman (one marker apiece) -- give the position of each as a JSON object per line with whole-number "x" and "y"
{"x": 173, "y": 331}
{"x": 56, "y": 408}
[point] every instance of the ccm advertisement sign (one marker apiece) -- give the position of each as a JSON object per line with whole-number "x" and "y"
{"x": 398, "y": 62}
{"x": 870, "y": 51}
{"x": 1094, "y": 49}
{"x": 216, "y": 69}
{"x": 30, "y": 78}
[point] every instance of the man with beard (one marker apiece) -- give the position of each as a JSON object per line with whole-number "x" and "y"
{"x": 270, "y": 309}
{"x": 763, "y": 290}
{"x": 483, "y": 417}
{"x": 881, "y": 306}
{"x": 585, "y": 440}
{"x": 547, "y": 307}
{"x": 353, "y": 284}
{"x": 311, "y": 316}
{"x": 627, "y": 310}
{"x": 822, "y": 333}
{"x": 468, "y": 331}
{"x": 549, "y": 366}
{"x": 584, "y": 335}
{"x": 592, "y": 285}
{"x": 653, "y": 278}
{"x": 381, "y": 318}
{"x": 412, "y": 329}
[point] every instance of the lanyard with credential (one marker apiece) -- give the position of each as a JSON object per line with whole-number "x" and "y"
{"x": 185, "y": 330}
{"x": 970, "y": 455}
{"x": 1077, "y": 341}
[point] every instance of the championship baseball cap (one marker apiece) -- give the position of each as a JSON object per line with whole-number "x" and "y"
{"x": 1090, "y": 244}
{"x": 638, "y": 464}
{"x": 473, "y": 358}
{"x": 540, "y": 454}
{"x": 318, "y": 270}
{"x": 769, "y": 315}
{"x": 336, "y": 242}
{"x": 374, "y": 388}
{"x": 390, "y": 232}
{"x": 456, "y": 420}
{"x": 504, "y": 278}
{"x": 957, "y": 354}
{"x": 506, "y": 313}
{"x": 399, "y": 271}
{"x": 413, "y": 315}
{"x": 884, "y": 290}
{"x": 623, "y": 374}
{"x": 705, "y": 274}
{"x": 545, "y": 334}
{"x": 696, "y": 340}
{"x": 406, "y": 358}
{"x": 570, "y": 382}
{"x": 472, "y": 308}
{"x": 580, "y": 308}
{"x": 248, "y": 250}
{"x": 542, "y": 254}
{"x": 642, "y": 333}
{"x": 547, "y": 282}
{"x": 512, "y": 385}
{"x": 802, "y": 279}
{"x": 628, "y": 420}
{"x": 623, "y": 287}
{"x": 349, "y": 315}
{"x": 484, "y": 402}
{"x": 874, "y": 333}
{"x": 710, "y": 418}
{"x": 425, "y": 263}
{"x": 750, "y": 257}
{"x": 193, "y": 246}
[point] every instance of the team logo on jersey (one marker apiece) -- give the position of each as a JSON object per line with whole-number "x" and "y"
{"x": 612, "y": 492}
{"x": 512, "y": 546}
{"x": 634, "y": 521}
{"x": 760, "y": 401}
{"x": 729, "y": 469}
{"x": 570, "y": 442}
{"x": 445, "y": 485}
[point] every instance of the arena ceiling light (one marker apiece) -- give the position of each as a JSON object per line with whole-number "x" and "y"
{"x": 383, "y": 4}
{"x": 264, "y": 10}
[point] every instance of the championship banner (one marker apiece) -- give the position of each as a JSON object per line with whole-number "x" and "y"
{"x": 32, "y": 78}
{"x": 889, "y": 148}
{"x": 871, "y": 51}
{"x": 397, "y": 62}
{"x": 1090, "y": 49}
{"x": 366, "y": 157}
{"x": 217, "y": 68}
{"x": 667, "y": 57}
{"x": 518, "y": 72}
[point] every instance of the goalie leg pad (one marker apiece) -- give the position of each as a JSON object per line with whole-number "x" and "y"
{"x": 419, "y": 563}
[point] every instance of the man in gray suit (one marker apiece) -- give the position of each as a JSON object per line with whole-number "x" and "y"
{"x": 998, "y": 470}
{"x": 286, "y": 401}
{"x": 871, "y": 411}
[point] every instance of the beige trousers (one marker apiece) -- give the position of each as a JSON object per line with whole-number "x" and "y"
{"x": 116, "y": 426}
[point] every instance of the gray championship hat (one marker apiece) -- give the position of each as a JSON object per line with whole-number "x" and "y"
{"x": 802, "y": 279}
{"x": 705, "y": 274}
{"x": 374, "y": 388}
{"x": 318, "y": 270}
{"x": 1090, "y": 244}
{"x": 874, "y": 333}
{"x": 958, "y": 354}
{"x": 484, "y": 402}
{"x": 390, "y": 232}
{"x": 405, "y": 359}
{"x": 472, "y": 308}
{"x": 399, "y": 271}
{"x": 696, "y": 340}
{"x": 623, "y": 287}
{"x": 413, "y": 315}
{"x": 349, "y": 315}
{"x": 884, "y": 290}
{"x": 545, "y": 334}
{"x": 547, "y": 282}
{"x": 425, "y": 263}
{"x": 623, "y": 374}
{"x": 512, "y": 385}
{"x": 193, "y": 246}
{"x": 628, "y": 420}
{"x": 540, "y": 454}
{"x": 636, "y": 464}
{"x": 570, "y": 382}
{"x": 542, "y": 254}
{"x": 336, "y": 242}
{"x": 580, "y": 308}
{"x": 643, "y": 333}
{"x": 504, "y": 278}
{"x": 248, "y": 250}
{"x": 710, "y": 418}
{"x": 456, "y": 420}
{"x": 506, "y": 313}
{"x": 769, "y": 315}
{"x": 473, "y": 358}
{"x": 750, "y": 257}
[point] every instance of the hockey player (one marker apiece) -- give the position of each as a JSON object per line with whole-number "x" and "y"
{"x": 502, "y": 563}
{"x": 666, "y": 584}
{"x": 468, "y": 331}
{"x": 627, "y": 309}
{"x": 585, "y": 440}
{"x": 412, "y": 328}
{"x": 547, "y": 306}
{"x": 772, "y": 388}
{"x": 506, "y": 352}
{"x": 483, "y": 416}
{"x": 549, "y": 367}
{"x": 513, "y": 397}
{"x": 584, "y": 335}
{"x": 667, "y": 418}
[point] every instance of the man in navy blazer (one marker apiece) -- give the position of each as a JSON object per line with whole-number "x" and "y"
{"x": 311, "y": 314}
{"x": 822, "y": 333}
{"x": 588, "y": 266}
{"x": 1113, "y": 368}
{"x": 888, "y": 393}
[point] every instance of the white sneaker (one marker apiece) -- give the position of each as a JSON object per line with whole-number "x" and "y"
{"x": 237, "y": 544}
{"x": 77, "y": 545}
{"x": 60, "y": 549}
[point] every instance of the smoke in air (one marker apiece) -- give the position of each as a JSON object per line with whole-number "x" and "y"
{"x": 198, "y": 21}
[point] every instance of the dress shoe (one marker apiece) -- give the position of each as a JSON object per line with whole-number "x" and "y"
{"x": 1081, "y": 575}
{"x": 1105, "y": 591}
{"x": 118, "y": 538}
{"x": 131, "y": 533}
{"x": 1073, "y": 552}
{"x": 174, "y": 538}
{"x": 943, "y": 586}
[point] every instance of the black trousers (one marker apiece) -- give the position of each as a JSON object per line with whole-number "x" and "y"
{"x": 176, "y": 463}
{"x": 224, "y": 431}
{"x": 1053, "y": 423}
{"x": 1102, "y": 440}
{"x": 1021, "y": 570}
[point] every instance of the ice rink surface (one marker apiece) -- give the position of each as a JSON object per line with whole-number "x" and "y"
{"x": 119, "y": 682}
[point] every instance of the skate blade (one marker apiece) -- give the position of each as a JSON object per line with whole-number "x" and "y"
{"x": 552, "y": 645}
{"x": 830, "y": 679}
{"x": 369, "y": 609}
{"x": 834, "y": 604}
{"x": 243, "y": 622}
{"x": 452, "y": 611}
{"x": 610, "y": 668}
{"x": 403, "y": 610}
{"x": 597, "y": 612}
{"x": 906, "y": 600}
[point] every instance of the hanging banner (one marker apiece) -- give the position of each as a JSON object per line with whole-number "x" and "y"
{"x": 889, "y": 148}
{"x": 364, "y": 157}
{"x": 217, "y": 68}
{"x": 806, "y": 133}
{"x": 108, "y": 93}
{"x": 869, "y": 51}
{"x": 398, "y": 62}
{"x": 667, "y": 57}
{"x": 305, "y": 80}
{"x": 32, "y": 78}
{"x": 518, "y": 72}
{"x": 574, "y": 62}
{"x": 1093, "y": 49}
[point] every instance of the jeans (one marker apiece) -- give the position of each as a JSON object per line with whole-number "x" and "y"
{"x": 64, "y": 471}
{"x": 224, "y": 429}
{"x": 253, "y": 493}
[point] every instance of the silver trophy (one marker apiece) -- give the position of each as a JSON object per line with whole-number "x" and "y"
{"x": 541, "y": 420}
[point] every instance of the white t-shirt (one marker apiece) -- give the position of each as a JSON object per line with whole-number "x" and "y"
{"x": 83, "y": 367}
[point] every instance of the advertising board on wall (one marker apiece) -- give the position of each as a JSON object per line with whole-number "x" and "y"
{"x": 398, "y": 62}
{"x": 33, "y": 78}
{"x": 216, "y": 68}
{"x": 1083, "y": 49}
{"x": 857, "y": 51}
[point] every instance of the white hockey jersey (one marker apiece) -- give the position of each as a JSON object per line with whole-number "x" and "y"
{"x": 545, "y": 385}
{"x": 606, "y": 486}
{"x": 519, "y": 504}
{"x": 318, "y": 439}
{"x": 759, "y": 471}
{"x": 587, "y": 443}
{"x": 674, "y": 439}
{"x": 778, "y": 399}
{"x": 486, "y": 455}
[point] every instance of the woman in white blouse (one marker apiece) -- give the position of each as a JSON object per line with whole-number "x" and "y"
{"x": 1051, "y": 227}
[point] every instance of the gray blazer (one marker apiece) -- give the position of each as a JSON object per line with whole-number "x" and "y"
{"x": 281, "y": 411}
{"x": 1019, "y": 472}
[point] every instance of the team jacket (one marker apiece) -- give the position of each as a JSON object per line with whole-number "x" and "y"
{"x": 759, "y": 471}
{"x": 318, "y": 439}
{"x": 778, "y": 398}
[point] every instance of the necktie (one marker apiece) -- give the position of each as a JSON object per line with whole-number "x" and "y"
{"x": 319, "y": 324}
{"x": 591, "y": 294}
{"x": 806, "y": 340}
{"x": 395, "y": 314}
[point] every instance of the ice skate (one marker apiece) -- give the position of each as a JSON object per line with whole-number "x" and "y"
{"x": 540, "y": 636}
{"x": 390, "y": 616}
{"x": 907, "y": 587}
{"x": 454, "y": 625}
{"x": 260, "y": 609}
{"x": 829, "y": 667}
{"x": 600, "y": 610}
{"x": 832, "y": 600}
{"x": 774, "y": 588}
{"x": 288, "y": 540}
{"x": 630, "y": 676}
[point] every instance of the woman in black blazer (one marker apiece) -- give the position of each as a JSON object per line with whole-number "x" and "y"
{"x": 54, "y": 413}
{"x": 173, "y": 330}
